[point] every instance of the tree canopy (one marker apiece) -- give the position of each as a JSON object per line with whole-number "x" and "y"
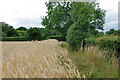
{"x": 61, "y": 15}
{"x": 22, "y": 28}
{"x": 58, "y": 17}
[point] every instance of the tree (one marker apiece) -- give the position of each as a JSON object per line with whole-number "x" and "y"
{"x": 75, "y": 37}
{"x": 3, "y": 34}
{"x": 8, "y": 30}
{"x": 22, "y": 28}
{"x": 87, "y": 17}
{"x": 11, "y": 32}
{"x": 58, "y": 17}
{"x": 34, "y": 34}
{"x": 21, "y": 33}
{"x": 101, "y": 34}
{"x": 4, "y": 27}
{"x": 112, "y": 31}
{"x": 95, "y": 33}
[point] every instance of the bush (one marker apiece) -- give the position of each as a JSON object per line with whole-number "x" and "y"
{"x": 58, "y": 37}
{"x": 34, "y": 34}
{"x": 90, "y": 41}
{"x": 14, "y": 39}
{"x": 75, "y": 36}
{"x": 21, "y": 33}
{"x": 22, "y": 28}
{"x": 109, "y": 43}
{"x": 3, "y": 34}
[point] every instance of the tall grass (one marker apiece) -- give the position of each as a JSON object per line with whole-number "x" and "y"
{"x": 37, "y": 59}
{"x": 0, "y": 60}
{"x": 94, "y": 63}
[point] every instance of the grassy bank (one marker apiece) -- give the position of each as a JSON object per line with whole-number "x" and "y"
{"x": 93, "y": 63}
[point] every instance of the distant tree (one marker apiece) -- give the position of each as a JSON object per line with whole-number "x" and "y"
{"x": 101, "y": 34}
{"x": 11, "y": 32}
{"x": 22, "y": 28}
{"x": 112, "y": 31}
{"x": 8, "y": 30}
{"x": 34, "y": 34}
{"x": 3, "y": 34}
{"x": 21, "y": 33}
{"x": 95, "y": 33}
{"x": 4, "y": 27}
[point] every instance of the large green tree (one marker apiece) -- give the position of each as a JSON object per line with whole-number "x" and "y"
{"x": 88, "y": 16}
{"x": 58, "y": 17}
{"x": 61, "y": 15}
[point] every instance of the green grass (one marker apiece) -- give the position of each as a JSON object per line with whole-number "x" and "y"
{"x": 93, "y": 63}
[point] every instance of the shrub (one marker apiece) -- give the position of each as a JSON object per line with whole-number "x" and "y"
{"x": 3, "y": 34}
{"x": 34, "y": 34}
{"x": 14, "y": 39}
{"x": 90, "y": 41}
{"x": 75, "y": 36}
{"x": 58, "y": 37}
{"x": 21, "y": 33}
{"x": 22, "y": 28}
{"x": 109, "y": 43}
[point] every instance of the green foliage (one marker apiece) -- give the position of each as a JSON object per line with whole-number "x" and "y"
{"x": 21, "y": 33}
{"x": 8, "y": 30}
{"x": 100, "y": 34}
{"x": 3, "y": 34}
{"x": 11, "y": 32}
{"x": 14, "y": 39}
{"x": 49, "y": 32}
{"x": 88, "y": 16}
{"x": 90, "y": 41}
{"x": 61, "y": 15}
{"x": 22, "y": 28}
{"x": 58, "y": 37}
{"x": 93, "y": 64}
{"x": 109, "y": 43}
{"x": 75, "y": 36}
{"x": 112, "y": 31}
{"x": 58, "y": 17}
{"x": 34, "y": 34}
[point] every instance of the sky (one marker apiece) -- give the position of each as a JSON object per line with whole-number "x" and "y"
{"x": 28, "y": 13}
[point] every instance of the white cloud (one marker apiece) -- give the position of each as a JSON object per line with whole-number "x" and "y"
{"x": 28, "y": 12}
{"x": 13, "y": 10}
{"x": 111, "y": 7}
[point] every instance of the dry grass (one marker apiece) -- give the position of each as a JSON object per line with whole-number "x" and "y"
{"x": 94, "y": 64}
{"x": 0, "y": 60}
{"x": 37, "y": 59}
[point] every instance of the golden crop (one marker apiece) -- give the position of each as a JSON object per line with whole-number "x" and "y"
{"x": 36, "y": 59}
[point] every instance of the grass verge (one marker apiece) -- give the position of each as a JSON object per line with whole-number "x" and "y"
{"x": 93, "y": 63}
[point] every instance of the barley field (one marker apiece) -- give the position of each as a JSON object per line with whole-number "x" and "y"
{"x": 0, "y": 60}
{"x": 37, "y": 59}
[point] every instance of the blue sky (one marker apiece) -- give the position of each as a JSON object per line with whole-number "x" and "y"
{"x": 28, "y": 13}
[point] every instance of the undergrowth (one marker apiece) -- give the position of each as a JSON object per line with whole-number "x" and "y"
{"x": 93, "y": 63}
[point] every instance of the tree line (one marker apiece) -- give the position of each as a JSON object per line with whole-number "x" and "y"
{"x": 65, "y": 21}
